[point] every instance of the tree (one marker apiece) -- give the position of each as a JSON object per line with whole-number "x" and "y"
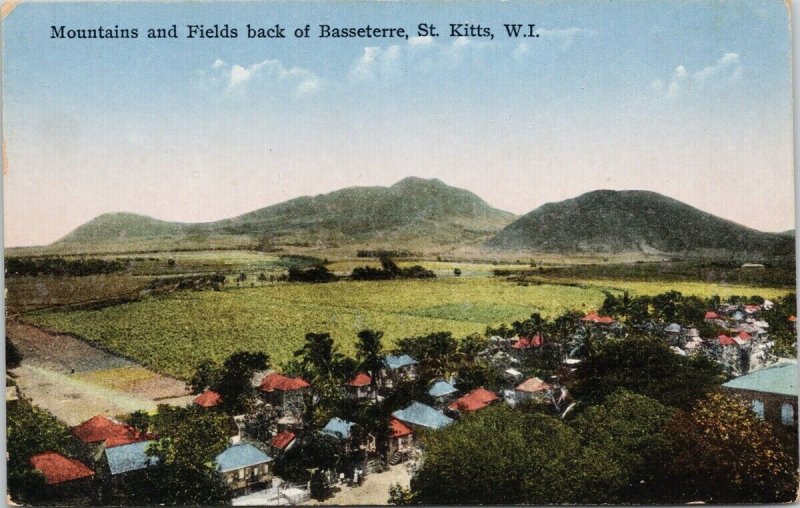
{"x": 628, "y": 429}
{"x": 234, "y": 380}
{"x": 369, "y": 352}
{"x": 722, "y": 453}
{"x": 206, "y": 375}
{"x": 139, "y": 420}
{"x": 325, "y": 367}
{"x": 241, "y": 278}
{"x": 517, "y": 458}
{"x": 457, "y": 272}
{"x": 13, "y": 356}
{"x": 645, "y": 365}
{"x": 437, "y": 353}
{"x": 262, "y": 278}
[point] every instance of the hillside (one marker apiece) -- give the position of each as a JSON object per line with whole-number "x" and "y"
{"x": 413, "y": 213}
{"x": 633, "y": 221}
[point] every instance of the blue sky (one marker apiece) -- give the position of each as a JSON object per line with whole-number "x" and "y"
{"x": 690, "y": 99}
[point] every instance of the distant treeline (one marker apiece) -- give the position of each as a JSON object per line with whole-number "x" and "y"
{"x": 313, "y": 274}
{"x": 381, "y": 253}
{"x": 390, "y": 270}
{"x": 33, "y": 266}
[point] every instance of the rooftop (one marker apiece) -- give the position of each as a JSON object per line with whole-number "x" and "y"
{"x": 275, "y": 381}
{"x": 59, "y": 469}
{"x": 780, "y": 379}
{"x": 478, "y": 398}
{"x": 283, "y": 439}
{"x": 338, "y": 428}
{"x": 422, "y": 415}
{"x": 208, "y": 398}
{"x": 129, "y": 457}
{"x": 361, "y": 379}
{"x": 99, "y": 429}
{"x": 533, "y": 385}
{"x": 441, "y": 388}
{"x": 397, "y": 361}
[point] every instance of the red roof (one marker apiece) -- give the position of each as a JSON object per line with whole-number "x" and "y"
{"x": 361, "y": 379}
{"x": 283, "y": 439}
{"x": 58, "y": 469}
{"x": 532, "y": 385}
{"x": 792, "y": 318}
{"x": 724, "y": 340}
{"x": 208, "y": 398}
{"x": 398, "y": 428}
{"x": 478, "y": 398}
{"x": 528, "y": 342}
{"x": 745, "y": 336}
{"x": 99, "y": 429}
{"x": 594, "y": 317}
{"x": 275, "y": 381}
{"x": 712, "y": 315}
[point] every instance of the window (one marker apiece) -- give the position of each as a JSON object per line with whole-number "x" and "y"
{"x": 241, "y": 474}
{"x": 787, "y": 414}
{"x": 758, "y": 408}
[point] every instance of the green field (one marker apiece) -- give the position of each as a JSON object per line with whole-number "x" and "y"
{"x": 172, "y": 334}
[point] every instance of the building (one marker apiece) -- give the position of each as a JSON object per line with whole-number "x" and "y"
{"x": 360, "y": 387}
{"x": 478, "y": 398}
{"x": 283, "y": 441}
{"x": 532, "y": 388}
{"x": 58, "y": 469}
{"x": 594, "y": 317}
{"x": 284, "y": 392}
{"x": 99, "y": 433}
{"x": 128, "y": 458}
{"x": 244, "y": 467}
{"x": 527, "y": 342}
{"x": 442, "y": 392}
{"x": 399, "y": 368}
{"x": 401, "y": 441}
{"x": 421, "y": 415}
{"x": 771, "y": 393}
{"x": 207, "y": 399}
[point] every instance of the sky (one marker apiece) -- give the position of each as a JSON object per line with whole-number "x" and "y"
{"x": 689, "y": 99}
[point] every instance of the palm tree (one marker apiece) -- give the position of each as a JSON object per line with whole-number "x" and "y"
{"x": 369, "y": 352}
{"x": 319, "y": 356}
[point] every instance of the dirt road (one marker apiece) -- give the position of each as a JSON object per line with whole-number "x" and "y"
{"x": 373, "y": 491}
{"x": 74, "y": 380}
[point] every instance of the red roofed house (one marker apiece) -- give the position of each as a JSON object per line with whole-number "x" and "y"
{"x": 208, "y": 398}
{"x": 528, "y": 342}
{"x": 286, "y": 392}
{"x": 283, "y": 441}
{"x": 103, "y": 433}
{"x": 712, "y": 315}
{"x": 532, "y": 388}
{"x": 742, "y": 338}
{"x": 724, "y": 340}
{"x": 478, "y": 398}
{"x": 360, "y": 386}
{"x": 401, "y": 441}
{"x": 594, "y": 317}
{"x": 59, "y": 469}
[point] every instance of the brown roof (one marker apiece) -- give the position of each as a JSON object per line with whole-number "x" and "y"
{"x": 275, "y": 381}
{"x": 478, "y": 398}
{"x": 59, "y": 469}
{"x": 533, "y": 385}
{"x": 99, "y": 429}
{"x": 208, "y": 398}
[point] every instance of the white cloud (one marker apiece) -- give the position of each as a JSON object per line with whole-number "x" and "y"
{"x": 724, "y": 71}
{"x": 235, "y": 77}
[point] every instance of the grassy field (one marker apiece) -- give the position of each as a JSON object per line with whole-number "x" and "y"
{"x": 172, "y": 334}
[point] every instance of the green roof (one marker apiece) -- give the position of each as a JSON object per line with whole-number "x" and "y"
{"x": 780, "y": 379}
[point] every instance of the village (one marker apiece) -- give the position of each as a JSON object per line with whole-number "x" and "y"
{"x": 318, "y": 428}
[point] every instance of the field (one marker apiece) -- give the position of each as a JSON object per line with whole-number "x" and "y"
{"x": 172, "y": 334}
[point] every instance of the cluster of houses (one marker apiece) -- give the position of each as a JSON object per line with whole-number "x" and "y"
{"x": 247, "y": 464}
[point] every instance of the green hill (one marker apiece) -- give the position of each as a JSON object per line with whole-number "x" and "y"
{"x": 413, "y": 213}
{"x": 633, "y": 221}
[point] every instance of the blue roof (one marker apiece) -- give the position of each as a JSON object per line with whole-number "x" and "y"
{"x": 441, "y": 388}
{"x": 129, "y": 457}
{"x": 422, "y": 415}
{"x": 780, "y": 379}
{"x": 338, "y": 428}
{"x": 397, "y": 361}
{"x": 239, "y": 456}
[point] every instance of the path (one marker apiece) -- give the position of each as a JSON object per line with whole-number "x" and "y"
{"x": 373, "y": 491}
{"x": 74, "y": 380}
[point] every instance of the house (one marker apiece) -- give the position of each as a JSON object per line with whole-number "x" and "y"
{"x": 207, "y": 399}
{"x": 58, "y": 469}
{"x": 711, "y": 316}
{"x": 512, "y": 375}
{"x": 421, "y": 415}
{"x": 284, "y": 392}
{"x": 99, "y": 432}
{"x": 442, "y": 392}
{"x": 130, "y": 457}
{"x": 401, "y": 441}
{"x": 399, "y": 368}
{"x": 283, "y": 441}
{"x": 772, "y": 394}
{"x": 533, "y": 388}
{"x": 244, "y": 467}
{"x": 360, "y": 387}
{"x": 594, "y": 317}
{"x": 478, "y": 398}
{"x": 527, "y": 342}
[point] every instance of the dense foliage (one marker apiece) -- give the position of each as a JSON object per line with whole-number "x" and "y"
{"x": 390, "y": 270}
{"x": 35, "y": 266}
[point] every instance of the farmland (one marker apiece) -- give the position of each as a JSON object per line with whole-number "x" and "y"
{"x": 171, "y": 334}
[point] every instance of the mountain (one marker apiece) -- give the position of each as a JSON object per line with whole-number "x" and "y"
{"x": 632, "y": 221}
{"x": 412, "y": 213}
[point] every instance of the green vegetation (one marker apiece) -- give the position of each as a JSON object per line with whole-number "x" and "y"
{"x": 637, "y": 221}
{"x": 173, "y": 334}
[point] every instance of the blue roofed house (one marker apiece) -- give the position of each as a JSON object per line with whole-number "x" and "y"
{"x": 244, "y": 467}
{"x": 421, "y": 415}
{"x": 399, "y": 368}
{"x": 341, "y": 430}
{"x": 129, "y": 457}
{"x": 442, "y": 392}
{"x": 772, "y": 394}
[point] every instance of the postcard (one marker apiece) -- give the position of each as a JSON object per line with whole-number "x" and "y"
{"x": 371, "y": 253}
